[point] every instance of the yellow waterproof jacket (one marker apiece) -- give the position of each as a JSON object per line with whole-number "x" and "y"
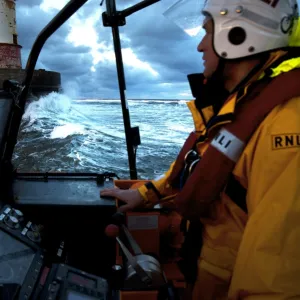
{"x": 259, "y": 251}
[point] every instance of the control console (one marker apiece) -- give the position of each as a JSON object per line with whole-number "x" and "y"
{"x": 65, "y": 282}
{"x": 13, "y": 222}
{"x": 21, "y": 258}
{"x": 27, "y": 272}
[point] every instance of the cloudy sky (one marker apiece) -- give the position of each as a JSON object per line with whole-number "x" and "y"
{"x": 157, "y": 55}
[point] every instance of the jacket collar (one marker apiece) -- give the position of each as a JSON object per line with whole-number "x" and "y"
{"x": 206, "y": 119}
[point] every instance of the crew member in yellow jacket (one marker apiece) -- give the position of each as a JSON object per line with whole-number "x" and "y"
{"x": 251, "y": 241}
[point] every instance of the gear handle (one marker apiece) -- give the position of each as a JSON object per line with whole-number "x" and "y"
{"x": 119, "y": 220}
{"x": 113, "y": 232}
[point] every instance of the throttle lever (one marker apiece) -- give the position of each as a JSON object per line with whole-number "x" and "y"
{"x": 119, "y": 220}
{"x": 113, "y": 231}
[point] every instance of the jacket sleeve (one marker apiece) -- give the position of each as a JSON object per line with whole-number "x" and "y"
{"x": 157, "y": 190}
{"x": 268, "y": 260}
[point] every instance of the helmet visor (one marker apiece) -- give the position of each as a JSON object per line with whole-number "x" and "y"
{"x": 188, "y": 15}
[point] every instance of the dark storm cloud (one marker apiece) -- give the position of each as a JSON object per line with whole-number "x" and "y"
{"x": 30, "y": 21}
{"x": 57, "y": 54}
{"x": 153, "y": 39}
{"x": 159, "y": 41}
{"x": 166, "y": 48}
{"x": 139, "y": 84}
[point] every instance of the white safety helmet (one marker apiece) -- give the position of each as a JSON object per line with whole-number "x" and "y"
{"x": 241, "y": 27}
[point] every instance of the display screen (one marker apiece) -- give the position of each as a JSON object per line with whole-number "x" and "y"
{"x": 72, "y": 295}
{"x": 15, "y": 259}
{"x": 82, "y": 280}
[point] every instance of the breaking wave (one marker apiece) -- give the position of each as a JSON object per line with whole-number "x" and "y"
{"x": 62, "y": 134}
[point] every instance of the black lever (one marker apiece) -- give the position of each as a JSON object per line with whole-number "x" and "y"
{"x": 119, "y": 220}
{"x": 113, "y": 231}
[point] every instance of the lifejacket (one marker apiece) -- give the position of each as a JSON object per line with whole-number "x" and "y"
{"x": 209, "y": 179}
{"x": 213, "y": 170}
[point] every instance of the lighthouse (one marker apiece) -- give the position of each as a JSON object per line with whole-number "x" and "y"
{"x": 10, "y": 50}
{"x": 43, "y": 81}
